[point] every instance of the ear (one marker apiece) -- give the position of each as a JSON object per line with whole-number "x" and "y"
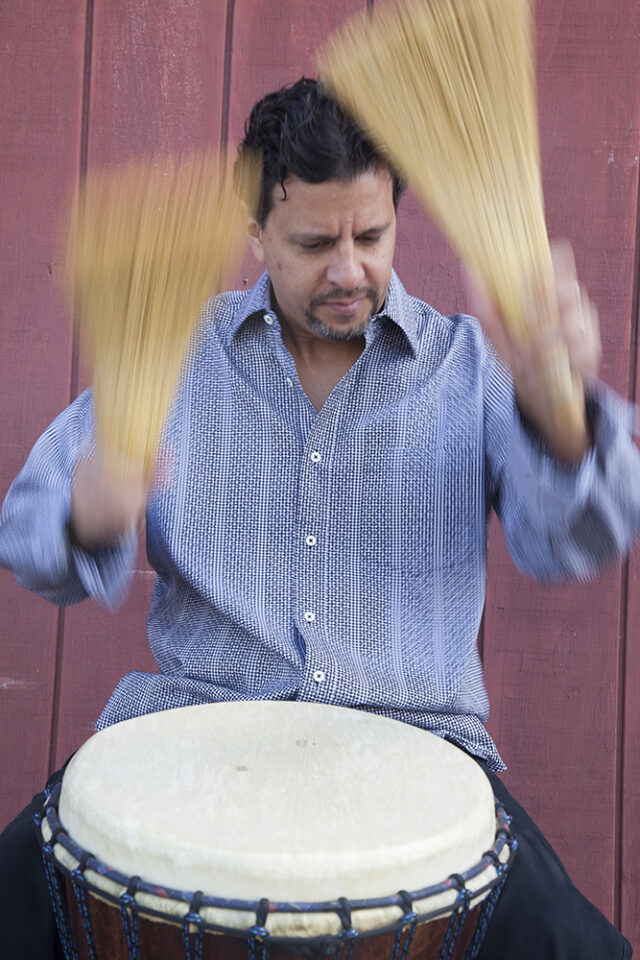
{"x": 254, "y": 232}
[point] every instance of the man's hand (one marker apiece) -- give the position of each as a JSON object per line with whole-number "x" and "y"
{"x": 106, "y": 502}
{"x": 579, "y": 330}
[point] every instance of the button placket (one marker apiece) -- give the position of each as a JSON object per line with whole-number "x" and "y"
{"x": 311, "y": 546}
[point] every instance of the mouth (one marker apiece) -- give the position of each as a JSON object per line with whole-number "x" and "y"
{"x": 344, "y": 308}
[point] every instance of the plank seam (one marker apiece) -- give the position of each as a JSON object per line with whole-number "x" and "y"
{"x": 86, "y": 88}
{"x": 57, "y": 687}
{"x": 84, "y": 155}
{"x": 226, "y": 74}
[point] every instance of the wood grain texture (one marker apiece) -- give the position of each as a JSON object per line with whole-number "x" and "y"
{"x": 629, "y": 784}
{"x": 41, "y": 78}
{"x": 156, "y": 78}
{"x": 563, "y": 666}
{"x": 552, "y": 657}
{"x": 629, "y": 779}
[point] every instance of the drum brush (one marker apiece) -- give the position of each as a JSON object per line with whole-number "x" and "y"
{"x": 149, "y": 241}
{"x": 446, "y": 90}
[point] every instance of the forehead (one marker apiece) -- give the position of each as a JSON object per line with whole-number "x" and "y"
{"x": 363, "y": 201}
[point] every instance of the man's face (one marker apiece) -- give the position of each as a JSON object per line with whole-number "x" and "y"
{"x": 329, "y": 248}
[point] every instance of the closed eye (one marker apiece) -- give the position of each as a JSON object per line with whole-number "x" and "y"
{"x": 315, "y": 245}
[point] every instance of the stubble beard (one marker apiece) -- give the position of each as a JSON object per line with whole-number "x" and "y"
{"x": 322, "y": 329}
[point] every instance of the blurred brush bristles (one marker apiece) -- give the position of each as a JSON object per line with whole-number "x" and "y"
{"x": 446, "y": 88}
{"x": 149, "y": 242}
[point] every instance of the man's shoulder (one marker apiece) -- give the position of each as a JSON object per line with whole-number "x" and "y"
{"x": 222, "y": 310}
{"x": 448, "y": 331}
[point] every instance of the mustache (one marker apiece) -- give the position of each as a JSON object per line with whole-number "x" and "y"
{"x": 339, "y": 293}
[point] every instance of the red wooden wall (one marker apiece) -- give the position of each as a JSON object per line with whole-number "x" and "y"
{"x": 104, "y": 79}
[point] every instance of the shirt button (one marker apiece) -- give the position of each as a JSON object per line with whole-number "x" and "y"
{"x": 268, "y": 318}
{"x": 309, "y": 616}
{"x": 315, "y": 457}
{"x": 318, "y": 676}
{"x": 289, "y": 382}
{"x": 310, "y": 540}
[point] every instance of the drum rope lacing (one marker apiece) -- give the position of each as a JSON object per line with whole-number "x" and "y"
{"x": 53, "y": 883}
{"x": 55, "y": 892}
{"x": 129, "y": 914}
{"x": 458, "y": 917}
{"x": 193, "y": 918}
{"x": 80, "y": 891}
{"x": 409, "y": 923}
{"x": 257, "y": 936}
{"x": 258, "y": 933}
{"x": 489, "y": 903}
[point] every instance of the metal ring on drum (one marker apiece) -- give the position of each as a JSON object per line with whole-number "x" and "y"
{"x": 269, "y": 829}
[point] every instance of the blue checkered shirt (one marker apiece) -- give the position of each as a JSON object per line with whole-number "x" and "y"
{"x": 336, "y": 557}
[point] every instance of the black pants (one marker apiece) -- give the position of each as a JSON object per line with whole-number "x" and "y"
{"x": 540, "y": 915}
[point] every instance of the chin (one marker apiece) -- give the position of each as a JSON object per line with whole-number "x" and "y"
{"x": 337, "y": 331}
{"x": 351, "y": 332}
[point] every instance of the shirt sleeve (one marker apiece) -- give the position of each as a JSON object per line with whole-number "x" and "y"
{"x": 34, "y": 525}
{"x": 560, "y": 522}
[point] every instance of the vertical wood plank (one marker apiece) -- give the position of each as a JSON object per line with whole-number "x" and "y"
{"x": 629, "y": 791}
{"x": 552, "y": 657}
{"x": 630, "y": 785}
{"x": 41, "y": 71}
{"x": 156, "y": 85}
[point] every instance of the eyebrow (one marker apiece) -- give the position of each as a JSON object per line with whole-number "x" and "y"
{"x": 311, "y": 237}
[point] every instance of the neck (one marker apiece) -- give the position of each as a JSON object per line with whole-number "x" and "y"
{"x": 313, "y": 349}
{"x": 320, "y": 363}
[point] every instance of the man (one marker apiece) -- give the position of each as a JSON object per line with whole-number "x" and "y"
{"x": 337, "y": 446}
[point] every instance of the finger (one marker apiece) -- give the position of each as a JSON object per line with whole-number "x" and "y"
{"x": 581, "y": 332}
{"x": 564, "y": 268}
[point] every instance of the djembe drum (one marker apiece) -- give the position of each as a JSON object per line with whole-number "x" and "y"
{"x": 268, "y": 829}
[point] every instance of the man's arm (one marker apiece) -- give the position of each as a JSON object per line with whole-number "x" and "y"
{"x": 68, "y": 527}
{"x": 578, "y": 329}
{"x": 568, "y": 501}
{"x": 564, "y": 522}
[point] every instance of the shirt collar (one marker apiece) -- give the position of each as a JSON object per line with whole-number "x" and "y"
{"x": 256, "y": 301}
{"x": 398, "y": 307}
{"x": 401, "y": 309}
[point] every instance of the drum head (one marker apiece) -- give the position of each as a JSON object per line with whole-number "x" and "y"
{"x": 290, "y": 801}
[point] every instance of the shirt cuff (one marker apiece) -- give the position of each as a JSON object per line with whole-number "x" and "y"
{"x": 559, "y": 491}
{"x": 105, "y": 573}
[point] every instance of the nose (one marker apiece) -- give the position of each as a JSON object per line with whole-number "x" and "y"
{"x": 345, "y": 268}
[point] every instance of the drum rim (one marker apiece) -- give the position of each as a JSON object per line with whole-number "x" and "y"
{"x": 500, "y": 856}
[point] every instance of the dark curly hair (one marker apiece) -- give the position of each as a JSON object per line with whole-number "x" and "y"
{"x": 300, "y": 130}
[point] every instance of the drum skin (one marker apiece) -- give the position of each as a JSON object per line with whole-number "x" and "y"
{"x": 297, "y": 802}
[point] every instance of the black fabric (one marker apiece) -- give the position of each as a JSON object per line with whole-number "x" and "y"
{"x": 540, "y": 915}
{"x": 27, "y": 925}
